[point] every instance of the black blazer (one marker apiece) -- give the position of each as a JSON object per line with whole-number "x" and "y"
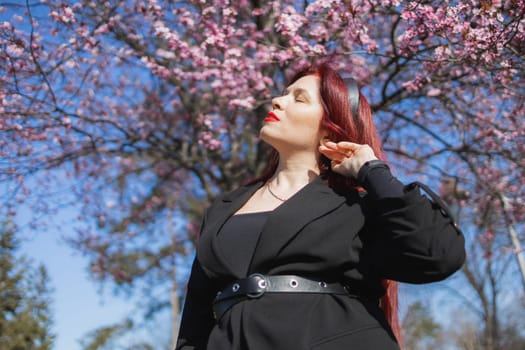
{"x": 319, "y": 233}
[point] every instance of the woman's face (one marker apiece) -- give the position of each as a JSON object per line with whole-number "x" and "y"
{"x": 294, "y": 120}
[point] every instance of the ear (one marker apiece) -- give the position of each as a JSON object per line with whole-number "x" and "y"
{"x": 323, "y": 134}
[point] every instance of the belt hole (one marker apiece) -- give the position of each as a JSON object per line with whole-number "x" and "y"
{"x": 235, "y": 287}
{"x": 293, "y": 283}
{"x": 262, "y": 284}
{"x": 322, "y": 284}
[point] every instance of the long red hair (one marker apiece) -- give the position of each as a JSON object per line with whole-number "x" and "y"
{"x": 343, "y": 126}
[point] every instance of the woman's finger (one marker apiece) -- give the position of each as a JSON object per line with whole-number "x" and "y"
{"x": 332, "y": 154}
{"x": 344, "y": 147}
{"x": 348, "y": 147}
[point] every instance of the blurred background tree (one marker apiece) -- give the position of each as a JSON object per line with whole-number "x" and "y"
{"x": 25, "y": 298}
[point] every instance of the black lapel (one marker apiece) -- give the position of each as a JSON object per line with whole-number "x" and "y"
{"x": 226, "y": 206}
{"x": 311, "y": 202}
{"x": 208, "y": 250}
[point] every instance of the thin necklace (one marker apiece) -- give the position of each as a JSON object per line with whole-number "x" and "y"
{"x": 273, "y": 194}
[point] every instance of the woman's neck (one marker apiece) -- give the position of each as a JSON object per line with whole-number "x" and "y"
{"x": 294, "y": 172}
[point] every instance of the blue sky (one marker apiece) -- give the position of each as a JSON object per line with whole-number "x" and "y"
{"x": 78, "y": 303}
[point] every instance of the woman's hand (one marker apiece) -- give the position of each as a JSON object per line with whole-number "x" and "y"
{"x": 347, "y": 157}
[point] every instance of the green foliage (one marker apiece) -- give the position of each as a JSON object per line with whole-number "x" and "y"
{"x": 25, "y": 316}
{"x": 108, "y": 337}
{"x": 420, "y": 331}
{"x": 103, "y": 337}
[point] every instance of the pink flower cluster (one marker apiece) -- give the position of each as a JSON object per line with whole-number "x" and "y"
{"x": 149, "y": 105}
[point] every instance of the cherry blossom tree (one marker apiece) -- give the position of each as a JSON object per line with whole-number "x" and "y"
{"x": 486, "y": 287}
{"x": 146, "y": 109}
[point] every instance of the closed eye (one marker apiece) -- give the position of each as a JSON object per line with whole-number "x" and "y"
{"x": 300, "y": 95}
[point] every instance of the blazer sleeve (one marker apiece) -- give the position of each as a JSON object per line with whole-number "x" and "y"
{"x": 413, "y": 238}
{"x": 197, "y": 316}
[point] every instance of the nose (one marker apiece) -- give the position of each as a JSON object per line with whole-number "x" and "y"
{"x": 277, "y": 103}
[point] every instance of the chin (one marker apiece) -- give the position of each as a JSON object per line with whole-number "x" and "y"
{"x": 263, "y": 135}
{"x": 270, "y": 139}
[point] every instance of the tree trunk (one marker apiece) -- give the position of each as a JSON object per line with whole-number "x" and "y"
{"x": 175, "y": 311}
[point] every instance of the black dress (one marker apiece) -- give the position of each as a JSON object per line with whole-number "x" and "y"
{"x": 391, "y": 232}
{"x": 238, "y": 238}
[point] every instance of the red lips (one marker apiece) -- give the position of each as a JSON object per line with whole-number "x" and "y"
{"x": 271, "y": 117}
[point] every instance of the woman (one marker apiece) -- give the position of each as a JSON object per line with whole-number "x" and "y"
{"x": 299, "y": 258}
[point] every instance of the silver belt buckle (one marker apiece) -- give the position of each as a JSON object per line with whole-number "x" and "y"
{"x": 262, "y": 284}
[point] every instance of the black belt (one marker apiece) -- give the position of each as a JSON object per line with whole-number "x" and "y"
{"x": 257, "y": 285}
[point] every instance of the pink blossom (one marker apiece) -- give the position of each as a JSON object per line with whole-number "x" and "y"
{"x": 65, "y": 15}
{"x": 15, "y": 50}
{"x": 434, "y": 92}
{"x": 289, "y": 21}
{"x": 246, "y": 103}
